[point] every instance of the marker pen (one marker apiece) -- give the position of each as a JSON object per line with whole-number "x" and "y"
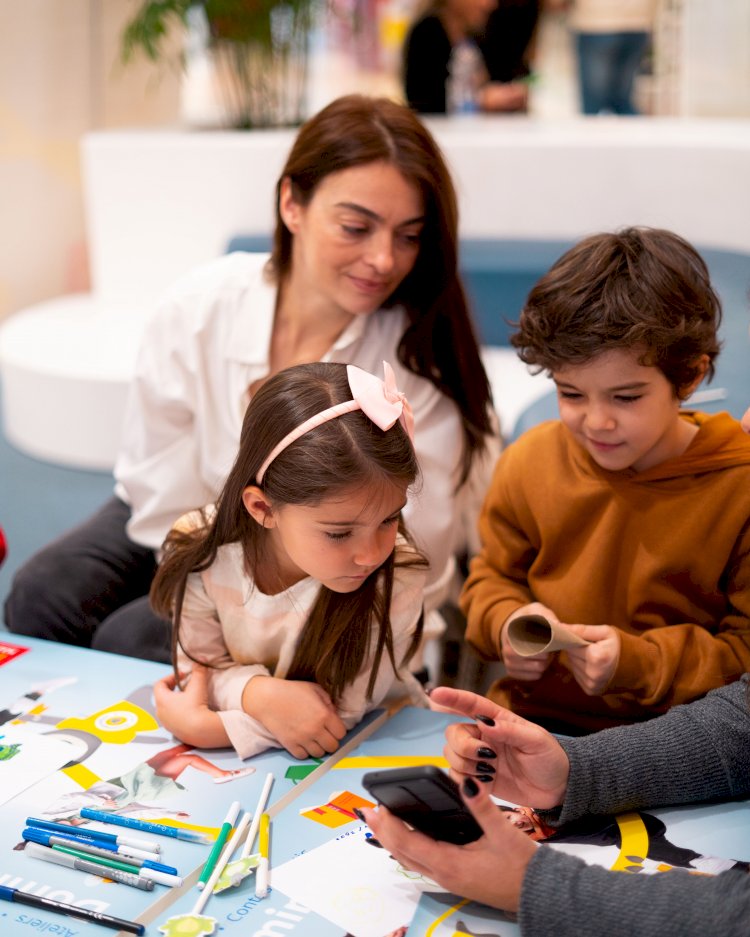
{"x": 72, "y": 910}
{"x": 90, "y": 833}
{"x": 103, "y": 850}
{"x": 176, "y": 832}
{"x": 46, "y": 854}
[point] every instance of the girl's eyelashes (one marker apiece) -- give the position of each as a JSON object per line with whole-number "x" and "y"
{"x": 339, "y": 535}
{"x": 621, "y": 398}
{"x": 354, "y": 230}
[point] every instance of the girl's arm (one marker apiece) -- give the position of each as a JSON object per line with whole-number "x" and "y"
{"x": 208, "y": 712}
{"x": 244, "y": 705}
{"x": 186, "y": 713}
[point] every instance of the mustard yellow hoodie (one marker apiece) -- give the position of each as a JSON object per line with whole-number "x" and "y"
{"x": 663, "y": 555}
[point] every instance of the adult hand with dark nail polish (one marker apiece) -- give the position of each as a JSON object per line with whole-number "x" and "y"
{"x": 528, "y": 765}
{"x": 463, "y": 870}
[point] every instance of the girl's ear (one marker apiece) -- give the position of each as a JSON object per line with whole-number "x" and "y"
{"x": 258, "y": 506}
{"x": 702, "y": 366}
{"x": 289, "y": 209}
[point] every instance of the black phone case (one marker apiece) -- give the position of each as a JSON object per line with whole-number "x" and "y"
{"x": 427, "y": 799}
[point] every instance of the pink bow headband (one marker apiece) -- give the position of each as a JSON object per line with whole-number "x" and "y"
{"x": 380, "y": 400}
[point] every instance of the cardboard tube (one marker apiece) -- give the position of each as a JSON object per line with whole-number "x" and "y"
{"x": 535, "y": 634}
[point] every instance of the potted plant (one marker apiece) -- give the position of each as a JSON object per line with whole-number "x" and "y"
{"x": 258, "y": 48}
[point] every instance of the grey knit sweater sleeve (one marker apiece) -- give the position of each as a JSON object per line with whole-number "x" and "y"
{"x": 699, "y": 751}
{"x": 695, "y": 752}
{"x": 565, "y": 897}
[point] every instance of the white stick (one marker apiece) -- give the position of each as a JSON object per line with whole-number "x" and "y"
{"x": 262, "y": 800}
{"x": 223, "y": 859}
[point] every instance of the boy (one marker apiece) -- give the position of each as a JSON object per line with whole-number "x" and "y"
{"x": 629, "y": 518}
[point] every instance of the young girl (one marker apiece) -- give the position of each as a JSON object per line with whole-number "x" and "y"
{"x": 297, "y": 604}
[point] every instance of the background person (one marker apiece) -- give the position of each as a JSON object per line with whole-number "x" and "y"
{"x": 448, "y": 28}
{"x": 508, "y": 40}
{"x": 612, "y": 38}
{"x": 363, "y": 269}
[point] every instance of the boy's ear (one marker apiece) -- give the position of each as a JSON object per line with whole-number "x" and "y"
{"x": 258, "y": 506}
{"x": 702, "y": 366}
{"x": 289, "y": 209}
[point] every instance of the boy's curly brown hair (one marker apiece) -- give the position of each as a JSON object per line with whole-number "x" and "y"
{"x": 641, "y": 288}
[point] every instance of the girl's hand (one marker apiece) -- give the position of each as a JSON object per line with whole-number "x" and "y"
{"x": 489, "y": 870}
{"x": 525, "y": 668}
{"x": 300, "y": 715}
{"x": 595, "y": 665}
{"x": 525, "y": 764}
{"x": 186, "y": 712}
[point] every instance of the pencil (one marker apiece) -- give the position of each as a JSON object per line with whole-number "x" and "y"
{"x": 261, "y": 876}
{"x": 226, "y": 829}
{"x": 59, "y": 907}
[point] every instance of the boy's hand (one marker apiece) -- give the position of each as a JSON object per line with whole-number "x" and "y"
{"x": 595, "y": 665}
{"x": 525, "y": 668}
{"x": 186, "y": 713}
{"x": 300, "y": 715}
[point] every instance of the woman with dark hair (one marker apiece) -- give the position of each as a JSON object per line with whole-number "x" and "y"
{"x": 363, "y": 269}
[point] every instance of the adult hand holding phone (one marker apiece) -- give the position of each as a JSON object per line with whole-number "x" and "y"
{"x": 489, "y": 869}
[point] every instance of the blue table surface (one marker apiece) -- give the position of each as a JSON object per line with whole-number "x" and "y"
{"x": 104, "y": 710}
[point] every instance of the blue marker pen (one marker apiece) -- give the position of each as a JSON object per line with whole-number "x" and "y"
{"x": 96, "y": 848}
{"x": 176, "y": 832}
{"x": 89, "y": 833}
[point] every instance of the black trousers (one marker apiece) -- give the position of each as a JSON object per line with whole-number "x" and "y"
{"x": 90, "y": 587}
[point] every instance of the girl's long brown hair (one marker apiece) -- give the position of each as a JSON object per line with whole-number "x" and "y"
{"x": 440, "y": 342}
{"x": 347, "y": 452}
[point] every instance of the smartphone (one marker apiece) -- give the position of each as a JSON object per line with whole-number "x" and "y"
{"x": 427, "y": 799}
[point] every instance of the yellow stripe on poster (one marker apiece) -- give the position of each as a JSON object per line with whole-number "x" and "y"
{"x": 633, "y": 843}
{"x": 391, "y": 761}
{"x": 84, "y": 777}
{"x": 436, "y": 923}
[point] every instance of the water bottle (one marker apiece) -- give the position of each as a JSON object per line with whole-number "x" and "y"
{"x": 464, "y": 68}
